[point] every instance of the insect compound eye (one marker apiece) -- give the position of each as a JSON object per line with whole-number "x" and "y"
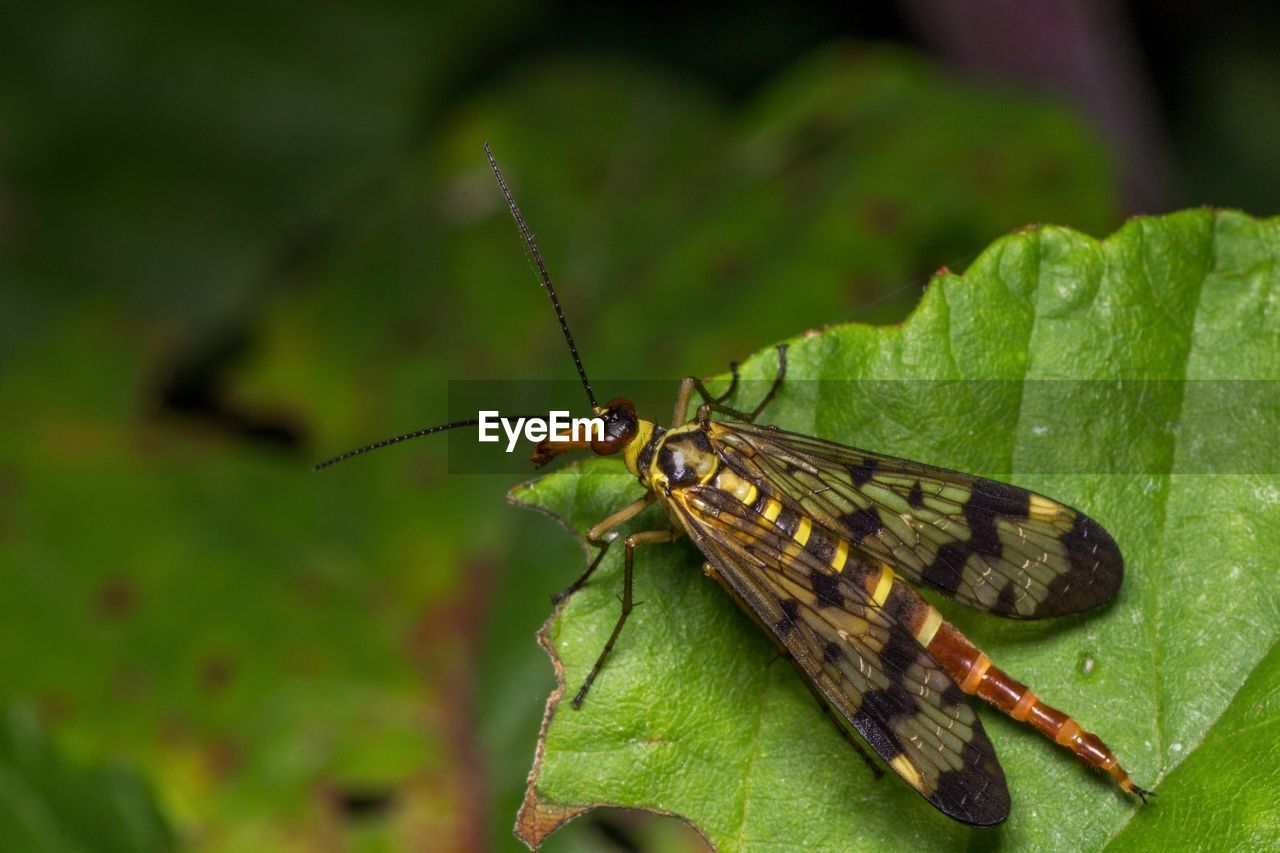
{"x": 620, "y": 426}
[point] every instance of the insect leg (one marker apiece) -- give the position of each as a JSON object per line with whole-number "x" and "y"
{"x": 707, "y": 396}
{"x": 681, "y": 413}
{"x": 712, "y": 404}
{"x": 648, "y": 537}
{"x": 596, "y": 537}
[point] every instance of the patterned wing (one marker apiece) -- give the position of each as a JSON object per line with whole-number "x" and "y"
{"x": 993, "y": 546}
{"x": 870, "y": 667}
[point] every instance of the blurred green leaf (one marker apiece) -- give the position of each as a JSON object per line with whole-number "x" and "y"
{"x": 691, "y": 718}
{"x": 176, "y": 157}
{"x": 49, "y": 804}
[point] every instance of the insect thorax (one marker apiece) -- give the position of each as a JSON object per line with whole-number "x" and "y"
{"x": 665, "y": 460}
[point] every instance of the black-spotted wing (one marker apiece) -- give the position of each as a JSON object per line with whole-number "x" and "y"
{"x": 993, "y": 546}
{"x": 870, "y": 667}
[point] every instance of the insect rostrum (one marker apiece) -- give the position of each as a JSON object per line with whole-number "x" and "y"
{"x": 817, "y": 542}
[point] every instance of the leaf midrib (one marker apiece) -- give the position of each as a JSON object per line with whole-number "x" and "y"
{"x": 1168, "y": 765}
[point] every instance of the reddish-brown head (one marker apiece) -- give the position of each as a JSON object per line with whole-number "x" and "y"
{"x": 620, "y": 428}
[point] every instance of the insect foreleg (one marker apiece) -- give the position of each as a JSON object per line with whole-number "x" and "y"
{"x": 713, "y": 404}
{"x": 648, "y": 537}
{"x": 596, "y": 536}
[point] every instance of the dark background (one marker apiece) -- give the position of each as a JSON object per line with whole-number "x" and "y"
{"x": 235, "y": 240}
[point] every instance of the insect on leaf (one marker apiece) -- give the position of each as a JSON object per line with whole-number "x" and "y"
{"x": 694, "y": 716}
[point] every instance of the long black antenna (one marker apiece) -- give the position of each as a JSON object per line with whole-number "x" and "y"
{"x": 396, "y": 440}
{"x": 555, "y": 303}
{"x": 542, "y": 273}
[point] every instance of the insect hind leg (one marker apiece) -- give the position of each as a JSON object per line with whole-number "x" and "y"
{"x": 648, "y": 537}
{"x": 715, "y": 404}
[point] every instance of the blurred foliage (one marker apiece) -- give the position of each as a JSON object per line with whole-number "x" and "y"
{"x": 232, "y": 237}
{"x": 49, "y": 804}
{"x": 689, "y": 717}
{"x": 1217, "y": 73}
{"x": 183, "y": 151}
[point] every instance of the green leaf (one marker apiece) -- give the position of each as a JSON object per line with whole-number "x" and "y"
{"x": 50, "y": 804}
{"x": 1227, "y": 786}
{"x": 693, "y": 715}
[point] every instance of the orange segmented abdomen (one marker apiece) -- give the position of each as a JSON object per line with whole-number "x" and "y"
{"x": 976, "y": 674}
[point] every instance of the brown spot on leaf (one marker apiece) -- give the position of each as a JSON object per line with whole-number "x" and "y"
{"x": 117, "y": 598}
{"x": 882, "y": 216}
{"x": 129, "y": 683}
{"x": 54, "y": 707}
{"x": 216, "y": 673}
{"x": 221, "y": 758}
{"x": 728, "y": 265}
